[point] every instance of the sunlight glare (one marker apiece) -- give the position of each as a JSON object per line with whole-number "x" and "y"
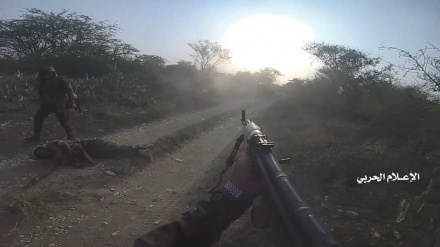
{"x": 268, "y": 41}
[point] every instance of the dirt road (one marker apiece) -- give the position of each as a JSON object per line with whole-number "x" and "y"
{"x": 87, "y": 207}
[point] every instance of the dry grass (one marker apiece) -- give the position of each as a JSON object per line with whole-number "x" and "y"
{"x": 30, "y": 204}
{"x": 113, "y": 110}
{"x": 329, "y": 151}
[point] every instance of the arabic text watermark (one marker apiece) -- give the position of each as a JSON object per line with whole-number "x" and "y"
{"x": 391, "y": 177}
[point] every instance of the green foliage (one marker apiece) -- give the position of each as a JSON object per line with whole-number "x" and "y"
{"x": 183, "y": 68}
{"x": 340, "y": 59}
{"x": 38, "y": 34}
{"x": 349, "y": 121}
{"x": 268, "y": 75}
{"x": 393, "y": 130}
{"x": 29, "y": 204}
{"x": 16, "y": 92}
{"x": 245, "y": 77}
{"x": 348, "y": 76}
{"x": 151, "y": 61}
{"x": 149, "y": 64}
{"x": 71, "y": 65}
{"x": 73, "y": 43}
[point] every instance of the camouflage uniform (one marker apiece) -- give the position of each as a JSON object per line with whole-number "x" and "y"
{"x": 418, "y": 219}
{"x": 55, "y": 93}
{"x": 74, "y": 153}
{"x": 69, "y": 152}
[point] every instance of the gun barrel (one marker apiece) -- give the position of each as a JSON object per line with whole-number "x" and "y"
{"x": 296, "y": 214}
{"x": 301, "y": 224}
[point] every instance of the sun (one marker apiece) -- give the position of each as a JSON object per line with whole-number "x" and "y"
{"x": 268, "y": 41}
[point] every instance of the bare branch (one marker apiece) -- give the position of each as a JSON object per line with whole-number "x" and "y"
{"x": 209, "y": 54}
{"x": 424, "y": 65}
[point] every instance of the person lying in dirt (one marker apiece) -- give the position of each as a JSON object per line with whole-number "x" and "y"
{"x": 78, "y": 152}
{"x": 203, "y": 225}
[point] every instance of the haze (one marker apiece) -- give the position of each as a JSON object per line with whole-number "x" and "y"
{"x": 260, "y": 33}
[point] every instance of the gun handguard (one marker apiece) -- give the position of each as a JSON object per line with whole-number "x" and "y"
{"x": 301, "y": 224}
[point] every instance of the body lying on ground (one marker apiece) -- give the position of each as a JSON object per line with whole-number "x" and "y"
{"x": 79, "y": 152}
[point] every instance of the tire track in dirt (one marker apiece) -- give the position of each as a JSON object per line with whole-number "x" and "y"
{"x": 137, "y": 203}
{"x": 147, "y": 133}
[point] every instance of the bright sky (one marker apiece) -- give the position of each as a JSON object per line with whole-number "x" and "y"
{"x": 260, "y": 33}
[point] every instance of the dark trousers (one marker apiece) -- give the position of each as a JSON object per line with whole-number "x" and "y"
{"x": 45, "y": 111}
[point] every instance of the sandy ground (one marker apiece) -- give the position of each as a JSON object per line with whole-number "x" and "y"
{"x": 91, "y": 208}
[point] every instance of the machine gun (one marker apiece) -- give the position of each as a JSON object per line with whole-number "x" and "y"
{"x": 299, "y": 221}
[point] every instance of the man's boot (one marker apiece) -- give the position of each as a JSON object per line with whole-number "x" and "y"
{"x": 36, "y": 137}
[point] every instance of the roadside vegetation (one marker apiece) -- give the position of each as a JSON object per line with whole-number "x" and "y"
{"x": 353, "y": 118}
{"x": 116, "y": 84}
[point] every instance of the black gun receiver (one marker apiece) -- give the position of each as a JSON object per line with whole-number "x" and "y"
{"x": 302, "y": 226}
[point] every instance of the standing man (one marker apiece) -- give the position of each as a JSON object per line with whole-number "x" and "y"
{"x": 55, "y": 94}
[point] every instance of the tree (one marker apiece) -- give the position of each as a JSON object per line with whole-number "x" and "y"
{"x": 184, "y": 63}
{"x": 183, "y": 68}
{"x": 38, "y": 37}
{"x": 120, "y": 50}
{"x": 347, "y": 77}
{"x": 152, "y": 61}
{"x": 150, "y": 65}
{"x": 244, "y": 77}
{"x": 268, "y": 75}
{"x": 345, "y": 67}
{"x": 340, "y": 59}
{"x": 425, "y": 64}
{"x": 208, "y": 54}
